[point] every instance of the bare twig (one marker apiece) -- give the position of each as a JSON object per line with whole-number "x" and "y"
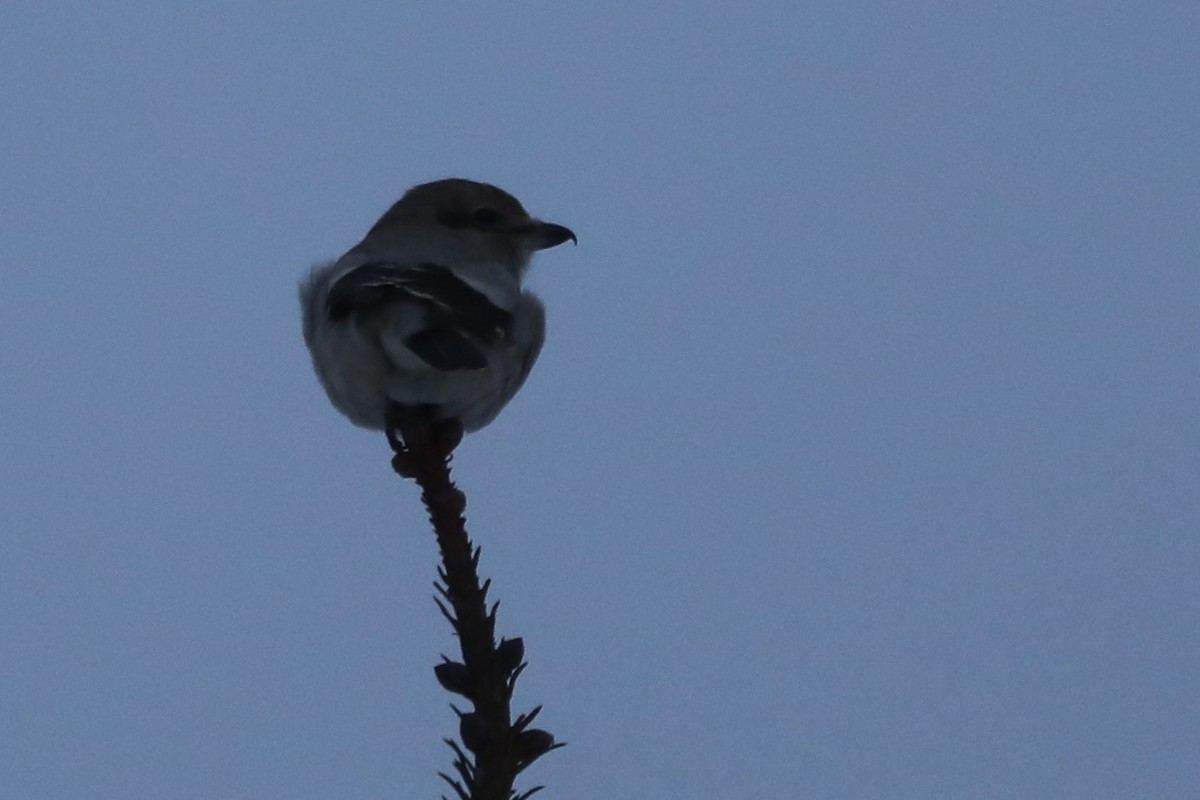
{"x": 501, "y": 748}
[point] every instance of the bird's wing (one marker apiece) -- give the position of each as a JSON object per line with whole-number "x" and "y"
{"x": 460, "y": 317}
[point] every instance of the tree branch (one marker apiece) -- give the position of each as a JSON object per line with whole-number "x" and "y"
{"x": 501, "y": 747}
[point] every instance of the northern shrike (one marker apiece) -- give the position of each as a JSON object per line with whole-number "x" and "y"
{"x": 426, "y": 315}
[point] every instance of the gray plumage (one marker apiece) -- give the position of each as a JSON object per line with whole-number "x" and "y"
{"x": 428, "y": 309}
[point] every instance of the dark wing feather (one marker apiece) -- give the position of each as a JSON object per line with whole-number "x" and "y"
{"x": 446, "y": 349}
{"x": 456, "y": 302}
{"x": 458, "y": 312}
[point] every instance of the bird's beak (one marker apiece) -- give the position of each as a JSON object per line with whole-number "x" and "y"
{"x": 547, "y": 234}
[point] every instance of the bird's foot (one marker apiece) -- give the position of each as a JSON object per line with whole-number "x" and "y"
{"x": 415, "y": 434}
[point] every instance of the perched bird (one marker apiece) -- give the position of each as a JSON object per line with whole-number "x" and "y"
{"x": 426, "y": 316}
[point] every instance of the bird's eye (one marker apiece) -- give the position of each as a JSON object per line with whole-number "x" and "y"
{"x": 485, "y": 217}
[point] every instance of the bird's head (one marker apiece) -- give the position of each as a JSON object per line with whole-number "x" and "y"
{"x": 484, "y": 218}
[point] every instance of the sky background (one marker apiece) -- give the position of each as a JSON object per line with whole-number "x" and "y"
{"x": 862, "y": 461}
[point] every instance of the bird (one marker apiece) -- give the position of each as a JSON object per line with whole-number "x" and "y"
{"x": 426, "y": 319}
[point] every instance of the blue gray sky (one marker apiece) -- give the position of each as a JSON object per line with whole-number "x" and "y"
{"x": 861, "y": 462}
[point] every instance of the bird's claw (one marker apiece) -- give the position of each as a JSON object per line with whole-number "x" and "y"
{"x": 413, "y": 438}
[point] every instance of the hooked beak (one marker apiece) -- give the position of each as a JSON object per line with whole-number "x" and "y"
{"x": 548, "y": 234}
